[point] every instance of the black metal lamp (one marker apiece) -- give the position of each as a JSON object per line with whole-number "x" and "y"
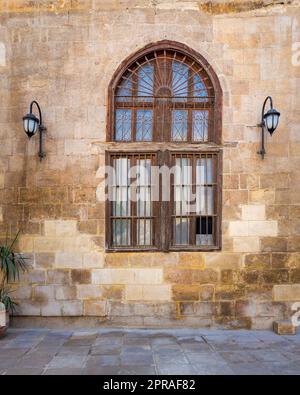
{"x": 269, "y": 120}
{"x": 32, "y": 125}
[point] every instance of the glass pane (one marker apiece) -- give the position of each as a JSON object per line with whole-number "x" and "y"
{"x": 200, "y": 125}
{"x": 200, "y": 90}
{"x": 123, "y": 125}
{"x": 179, "y": 125}
{"x": 204, "y": 171}
{"x": 182, "y": 231}
{"x": 121, "y": 232}
{"x": 204, "y": 231}
{"x": 204, "y": 200}
{"x": 144, "y": 206}
{"x": 143, "y": 201}
{"x": 180, "y": 80}
{"x": 144, "y": 125}
{"x": 145, "y": 81}
{"x": 144, "y": 231}
{"x": 124, "y": 91}
{"x": 204, "y": 189}
{"x": 183, "y": 180}
{"x": 121, "y": 188}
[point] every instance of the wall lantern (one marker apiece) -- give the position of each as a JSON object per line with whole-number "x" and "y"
{"x": 32, "y": 125}
{"x": 269, "y": 120}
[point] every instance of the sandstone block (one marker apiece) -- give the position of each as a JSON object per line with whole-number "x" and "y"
{"x": 23, "y": 293}
{"x": 80, "y": 276}
{"x": 65, "y": 293}
{"x": 58, "y": 276}
{"x": 258, "y": 261}
{"x": 95, "y": 308}
{"x": 47, "y": 244}
{"x": 66, "y": 228}
{"x": 284, "y": 328}
{"x": 190, "y": 259}
{"x": 79, "y": 244}
{"x": 26, "y": 244}
{"x": 68, "y": 260}
{"x": 206, "y": 293}
{"x": 185, "y": 293}
{"x": 246, "y": 244}
{"x": 72, "y": 308}
{"x": 44, "y": 260}
{"x": 133, "y": 292}
{"x": 238, "y": 228}
{"x": 148, "y": 292}
{"x": 273, "y": 244}
{"x": 52, "y": 309}
{"x": 37, "y": 277}
{"x": 127, "y": 276}
{"x": 253, "y": 212}
{"x": 29, "y": 308}
{"x": 222, "y": 260}
{"x": 286, "y": 292}
{"x": 89, "y": 291}
{"x": 44, "y": 293}
{"x": 50, "y": 228}
{"x": 148, "y": 276}
{"x": 245, "y": 308}
{"x": 113, "y": 276}
{"x": 263, "y": 228}
{"x": 90, "y": 227}
{"x": 93, "y": 259}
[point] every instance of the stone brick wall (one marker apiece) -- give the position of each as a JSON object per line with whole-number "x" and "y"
{"x": 63, "y": 54}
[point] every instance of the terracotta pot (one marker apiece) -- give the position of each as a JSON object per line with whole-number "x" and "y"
{"x": 3, "y": 330}
{"x": 2, "y": 316}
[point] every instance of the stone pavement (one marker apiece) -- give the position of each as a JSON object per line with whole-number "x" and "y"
{"x": 146, "y": 352}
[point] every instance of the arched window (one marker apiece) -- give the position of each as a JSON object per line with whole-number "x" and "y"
{"x": 165, "y": 107}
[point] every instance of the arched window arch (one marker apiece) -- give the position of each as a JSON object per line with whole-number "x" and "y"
{"x": 165, "y": 102}
{"x": 165, "y": 93}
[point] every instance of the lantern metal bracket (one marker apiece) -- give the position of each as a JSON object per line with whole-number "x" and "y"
{"x": 262, "y": 125}
{"x": 42, "y": 129}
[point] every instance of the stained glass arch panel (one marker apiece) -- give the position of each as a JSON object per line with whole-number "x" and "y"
{"x": 165, "y": 95}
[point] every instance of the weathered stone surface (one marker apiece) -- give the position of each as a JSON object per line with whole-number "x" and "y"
{"x": 59, "y": 203}
{"x": 284, "y": 328}
{"x": 258, "y": 261}
{"x": 66, "y": 292}
{"x": 95, "y": 308}
{"x": 148, "y": 292}
{"x": 286, "y": 292}
{"x": 44, "y": 260}
{"x": 79, "y": 276}
{"x": 181, "y": 292}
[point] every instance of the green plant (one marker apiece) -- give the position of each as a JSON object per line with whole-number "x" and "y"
{"x": 11, "y": 264}
{"x": 6, "y": 299}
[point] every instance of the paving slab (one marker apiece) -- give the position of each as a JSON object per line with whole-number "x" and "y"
{"x": 64, "y": 372}
{"x": 24, "y": 372}
{"x": 103, "y": 360}
{"x": 148, "y": 352}
{"x": 176, "y": 369}
{"x": 67, "y": 361}
{"x": 141, "y": 358}
{"x": 213, "y": 369}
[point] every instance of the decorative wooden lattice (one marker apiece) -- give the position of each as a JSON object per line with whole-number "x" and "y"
{"x": 164, "y": 96}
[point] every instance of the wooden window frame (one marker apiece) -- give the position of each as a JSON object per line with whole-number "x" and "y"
{"x": 215, "y": 110}
{"x": 217, "y": 234}
{"x": 109, "y": 156}
{"x": 162, "y": 210}
{"x": 161, "y": 145}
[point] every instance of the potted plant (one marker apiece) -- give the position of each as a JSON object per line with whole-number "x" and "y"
{"x": 11, "y": 264}
{"x": 3, "y": 325}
